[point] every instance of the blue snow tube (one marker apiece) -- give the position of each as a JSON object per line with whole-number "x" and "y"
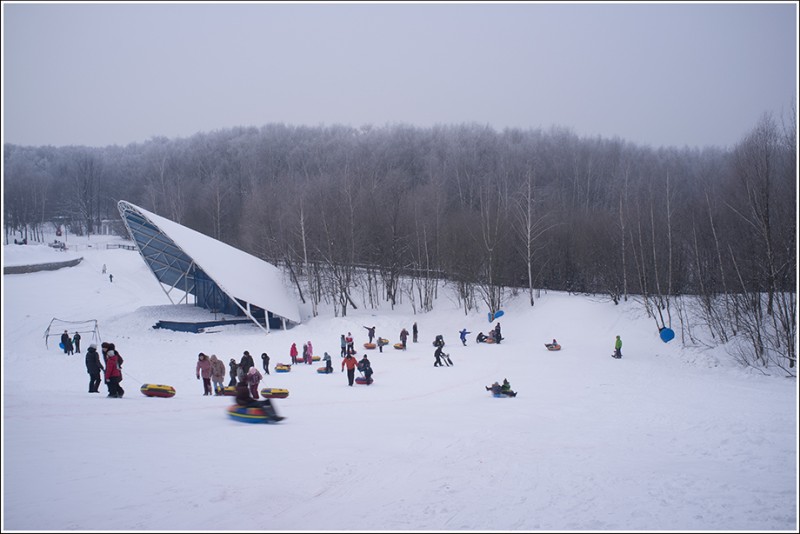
{"x": 666, "y": 334}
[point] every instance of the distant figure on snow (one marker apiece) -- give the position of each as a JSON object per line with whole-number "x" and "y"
{"x": 265, "y": 362}
{"x": 233, "y": 367}
{"x": 217, "y": 374}
{"x": 415, "y": 331}
{"x": 243, "y": 398}
{"x": 463, "y": 336}
{"x": 366, "y": 367}
{"x": 76, "y": 340}
{"x": 618, "y": 348}
{"x": 350, "y": 363}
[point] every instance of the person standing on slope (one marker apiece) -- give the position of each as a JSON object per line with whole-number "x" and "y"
{"x": 351, "y": 364}
{"x": 618, "y": 348}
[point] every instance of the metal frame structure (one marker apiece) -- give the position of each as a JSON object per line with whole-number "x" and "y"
{"x": 179, "y": 274}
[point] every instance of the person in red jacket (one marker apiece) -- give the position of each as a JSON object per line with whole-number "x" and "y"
{"x": 293, "y": 353}
{"x": 351, "y": 364}
{"x": 204, "y": 368}
{"x": 113, "y": 374}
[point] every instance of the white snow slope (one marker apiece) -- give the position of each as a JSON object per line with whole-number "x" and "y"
{"x": 667, "y": 438}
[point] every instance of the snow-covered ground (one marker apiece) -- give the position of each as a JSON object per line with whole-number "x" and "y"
{"x": 666, "y": 438}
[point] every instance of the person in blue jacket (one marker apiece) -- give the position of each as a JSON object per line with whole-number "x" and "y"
{"x": 463, "y": 336}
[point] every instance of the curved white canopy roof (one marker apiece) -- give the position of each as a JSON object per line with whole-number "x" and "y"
{"x": 238, "y": 274}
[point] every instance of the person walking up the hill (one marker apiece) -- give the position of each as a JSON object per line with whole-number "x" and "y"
{"x": 93, "y": 367}
{"x": 438, "y": 355}
{"x": 403, "y": 337}
{"x": 265, "y": 361}
{"x": 351, "y": 364}
{"x": 217, "y": 374}
{"x": 618, "y": 348}
{"x": 203, "y": 369}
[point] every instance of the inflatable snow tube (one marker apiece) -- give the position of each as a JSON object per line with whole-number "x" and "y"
{"x": 274, "y": 393}
{"x": 666, "y": 334}
{"x": 324, "y": 370}
{"x": 398, "y": 346}
{"x": 283, "y": 368}
{"x": 370, "y": 346}
{"x": 488, "y": 340}
{"x": 363, "y": 380}
{"x": 229, "y": 391}
{"x": 551, "y": 346}
{"x": 316, "y": 358}
{"x": 157, "y": 390}
{"x": 245, "y": 414}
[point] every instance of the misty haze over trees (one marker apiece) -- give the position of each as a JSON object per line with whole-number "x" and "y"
{"x": 706, "y": 239}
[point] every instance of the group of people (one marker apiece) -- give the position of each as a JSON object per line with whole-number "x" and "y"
{"x": 308, "y": 353}
{"x": 364, "y": 366}
{"x": 111, "y": 367}
{"x": 211, "y": 370}
{"x": 494, "y": 335}
{"x": 504, "y": 389}
{"x": 71, "y": 345}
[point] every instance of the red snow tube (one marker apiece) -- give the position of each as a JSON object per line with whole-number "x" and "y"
{"x": 363, "y": 380}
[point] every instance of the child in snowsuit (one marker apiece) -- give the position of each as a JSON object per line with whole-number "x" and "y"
{"x": 328, "y": 365}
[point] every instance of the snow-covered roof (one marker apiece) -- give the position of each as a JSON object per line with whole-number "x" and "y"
{"x": 241, "y": 276}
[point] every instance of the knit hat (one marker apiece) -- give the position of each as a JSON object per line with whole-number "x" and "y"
{"x": 93, "y": 346}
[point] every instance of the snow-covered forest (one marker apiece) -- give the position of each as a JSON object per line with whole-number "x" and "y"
{"x": 485, "y": 210}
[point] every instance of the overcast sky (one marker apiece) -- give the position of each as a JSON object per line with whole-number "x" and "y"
{"x": 653, "y": 74}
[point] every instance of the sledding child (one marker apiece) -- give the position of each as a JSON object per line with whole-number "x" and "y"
{"x": 243, "y": 398}
{"x": 365, "y": 367}
{"x": 480, "y": 338}
{"x": 328, "y": 365}
{"x": 505, "y": 389}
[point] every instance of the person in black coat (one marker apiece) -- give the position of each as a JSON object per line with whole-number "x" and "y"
{"x": 76, "y": 340}
{"x": 66, "y": 341}
{"x": 234, "y": 367}
{"x": 497, "y": 336}
{"x": 93, "y": 367}
{"x": 265, "y": 361}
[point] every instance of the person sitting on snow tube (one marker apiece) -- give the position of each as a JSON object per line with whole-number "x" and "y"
{"x": 365, "y": 367}
{"x": 495, "y": 389}
{"x": 505, "y": 389}
{"x": 243, "y": 398}
{"x": 481, "y": 338}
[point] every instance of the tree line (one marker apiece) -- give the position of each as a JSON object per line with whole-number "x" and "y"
{"x": 706, "y": 238}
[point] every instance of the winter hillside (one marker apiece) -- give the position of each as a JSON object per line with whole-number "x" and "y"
{"x": 667, "y": 438}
